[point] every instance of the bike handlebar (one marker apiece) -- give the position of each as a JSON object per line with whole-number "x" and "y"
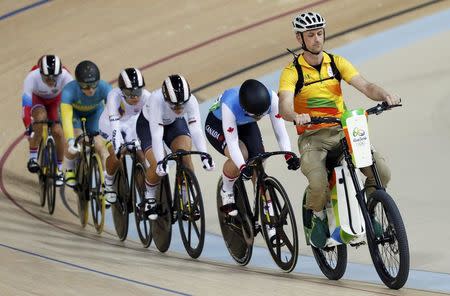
{"x": 180, "y": 154}
{"x": 128, "y": 147}
{"x": 378, "y": 109}
{"x": 262, "y": 156}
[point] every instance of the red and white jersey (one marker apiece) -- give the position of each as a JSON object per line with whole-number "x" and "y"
{"x": 33, "y": 84}
{"x": 158, "y": 113}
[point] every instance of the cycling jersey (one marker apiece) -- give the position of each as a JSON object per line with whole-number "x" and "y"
{"x": 319, "y": 96}
{"x": 159, "y": 114}
{"x": 229, "y": 111}
{"x": 33, "y": 84}
{"x": 119, "y": 118}
{"x": 75, "y": 104}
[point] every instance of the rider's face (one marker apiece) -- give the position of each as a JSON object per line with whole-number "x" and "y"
{"x": 313, "y": 39}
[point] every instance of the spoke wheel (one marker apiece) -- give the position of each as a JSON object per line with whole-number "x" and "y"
{"x": 278, "y": 225}
{"x": 98, "y": 205}
{"x": 191, "y": 214}
{"x": 390, "y": 249}
{"x": 237, "y": 232}
{"x": 138, "y": 200}
{"x": 42, "y": 175}
{"x": 332, "y": 261}
{"x": 162, "y": 226}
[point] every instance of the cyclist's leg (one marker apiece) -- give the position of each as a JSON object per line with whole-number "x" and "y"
{"x": 151, "y": 179}
{"x": 39, "y": 113}
{"x": 26, "y": 114}
{"x": 177, "y": 137}
{"x": 69, "y": 158}
{"x": 53, "y": 114}
{"x": 383, "y": 171}
{"x": 92, "y": 126}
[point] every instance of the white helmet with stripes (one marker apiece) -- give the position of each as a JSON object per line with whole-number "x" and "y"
{"x": 50, "y": 65}
{"x": 131, "y": 82}
{"x": 308, "y": 21}
{"x": 176, "y": 90}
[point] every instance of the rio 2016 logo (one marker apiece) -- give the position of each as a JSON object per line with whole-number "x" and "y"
{"x": 358, "y": 132}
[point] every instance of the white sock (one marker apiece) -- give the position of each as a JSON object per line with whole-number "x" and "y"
{"x": 320, "y": 215}
{"x": 150, "y": 188}
{"x": 228, "y": 183}
{"x": 70, "y": 164}
{"x": 109, "y": 180}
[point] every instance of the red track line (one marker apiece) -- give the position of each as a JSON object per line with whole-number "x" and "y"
{"x": 217, "y": 38}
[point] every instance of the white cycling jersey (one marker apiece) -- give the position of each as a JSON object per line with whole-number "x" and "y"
{"x": 120, "y": 117}
{"x": 33, "y": 84}
{"x": 158, "y": 113}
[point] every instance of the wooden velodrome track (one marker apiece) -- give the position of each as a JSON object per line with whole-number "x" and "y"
{"x": 206, "y": 41}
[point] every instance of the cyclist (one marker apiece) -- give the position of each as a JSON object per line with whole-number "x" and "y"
{"x": 162, "y": 120}
{"x": 118, "y": 120}
{"x": 44, "y": 85}
{"x": 83, "y": 97}
{"x": 232, "y": 129}
{"x": 319, "y": 94}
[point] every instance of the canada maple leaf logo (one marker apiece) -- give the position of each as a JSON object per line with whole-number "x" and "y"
{"x": 230, "y": 129}
{"x": 278, "y": 115}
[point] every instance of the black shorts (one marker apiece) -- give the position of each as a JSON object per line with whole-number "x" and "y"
{"x": 248, "y": 133}
{"x": 171, "y": 131}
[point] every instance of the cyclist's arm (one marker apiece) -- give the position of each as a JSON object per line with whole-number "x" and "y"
{"x": 288, "y": 79}
{"x": 371, "y": 90}
{"x": 156, "y": 126}
{"x": 278, "y": 125}
{"x": 67, "y": 117}
{"x": 231, "y": 136}
{"x": 194, "y": 124}
{"x": 112, "y": 106}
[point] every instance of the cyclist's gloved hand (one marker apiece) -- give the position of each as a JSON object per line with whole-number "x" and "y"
{"x": 162, "y": 170}
{"x": 208, "y": 164}
{"x": 246, "y": 172}
{"x": 71, "y": 146}
{"x": 293, "y": 162}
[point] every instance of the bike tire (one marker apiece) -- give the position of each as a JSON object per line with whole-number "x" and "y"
{"x": 192, "y": 228}
{"x": 51, "y": 176}
{"x": 82, "y": 191}
{"x": 119, "y": 209}
{"x": 285, "y": 243}
{"x": 162, "y": 226}
{"x": 98, "y": 204}
{"x": 394, "y": 241}
{"x": 238, "y": 243}
{"x": 332, "y": 261}
{"x": 41, "y": 175}
{"x": 143, "y": 225}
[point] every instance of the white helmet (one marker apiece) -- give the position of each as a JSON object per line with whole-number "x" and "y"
{"x": 308, "y": 21}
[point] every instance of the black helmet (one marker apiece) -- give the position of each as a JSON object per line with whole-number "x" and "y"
{"x": 176, "y": 90}
{"x": 50, "y": 65}
{"x": 131, "y": 82}
{"x": 254, "y": 97}
{"x": 87, "y": 72}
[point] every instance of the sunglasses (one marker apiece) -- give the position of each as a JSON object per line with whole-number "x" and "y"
{"x": 87, "y": 85}
{"x": 50, "y": 78}
{"x": 135, "y": 92}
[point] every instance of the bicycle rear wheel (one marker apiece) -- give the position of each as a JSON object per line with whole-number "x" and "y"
{"x": 332, "y": 261}
{"x": 237, "y": 232}
{"x": 51, "y": 175}
{"x": 96, "y": 180}
{"x": 283, "y": 245}
{"x": 162, "y": 226}
{"x": 191, "y": 214}
{"x": 138, "y": 200}
{"x": 390, "y": 250}
{"x": 119, "y": 209}
{"x": 42, "y": 175}
{"x": 82, "y": 191}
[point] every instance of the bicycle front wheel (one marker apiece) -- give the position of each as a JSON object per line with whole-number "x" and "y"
{"x": 96, "y": 180}
{"x": 389, "y": 250}
{"x": 138, "y": 200}
{"x": 51, "y": 176}
{"x": 43, "y": 160}
{"x": 278, "y": 225}
{"x": 191, "y": 214}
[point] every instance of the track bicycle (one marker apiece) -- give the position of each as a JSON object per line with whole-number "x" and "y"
{"x": 272, "y": 209}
